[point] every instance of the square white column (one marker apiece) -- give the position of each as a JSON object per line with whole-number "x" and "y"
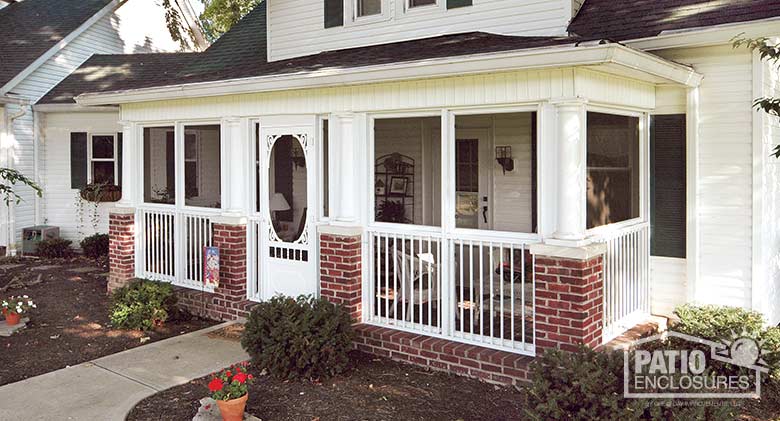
{"x": 571, "y": 137}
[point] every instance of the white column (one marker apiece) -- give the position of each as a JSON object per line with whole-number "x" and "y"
{"x": 572, "y": 169}
{"x": 234, "y": 163}
{"x": 346, "y": 162}
{"x": 130, "y": 180}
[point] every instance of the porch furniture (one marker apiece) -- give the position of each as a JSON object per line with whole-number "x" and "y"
{"x": 417, "y": 285}
{"x": 389, "y": 168}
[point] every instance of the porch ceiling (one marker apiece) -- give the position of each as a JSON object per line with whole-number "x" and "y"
{"x": 612, "y": 59}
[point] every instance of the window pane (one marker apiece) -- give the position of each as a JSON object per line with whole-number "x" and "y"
{"x": 613, "y": 169}
{"x": 159, "y": 165}
{"x": 369, "y": 7}
{"x": 416, "y": 3}
{"x": 103, "y": 172}
{"x": 103, "y": 147}
{"x": 202, "y": 166}
{"x": 407, "y": 170}
{"x": 493, "y": 192}
{"x": 288, "y": 201}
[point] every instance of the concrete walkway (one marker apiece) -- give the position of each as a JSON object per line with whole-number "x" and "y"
{"x": 109, "y": 387}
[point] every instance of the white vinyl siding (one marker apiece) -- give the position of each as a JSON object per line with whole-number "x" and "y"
{"x": 668, "y": 278}
{"x": 59, "y": 200}
{"x": 296, "y": 27}
{"x": 725, "y": 184}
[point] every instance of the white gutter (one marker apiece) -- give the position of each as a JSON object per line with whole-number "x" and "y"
{"x": 708, "y": 35}
{"x": 43, "y": 58}
{"x": 652, "y": 67}
{"x": 11, "y": 214}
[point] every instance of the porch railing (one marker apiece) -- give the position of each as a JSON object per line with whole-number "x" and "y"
{"x": 170, "y": 245}
{"x": 469, "y": 290}
{"x": 626, "y": 279}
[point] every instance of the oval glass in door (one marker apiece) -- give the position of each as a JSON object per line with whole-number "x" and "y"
{"x": 288, "y": 194}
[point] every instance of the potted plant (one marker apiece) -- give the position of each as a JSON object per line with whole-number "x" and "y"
{"x": 14, "y": 307}
{"x": 101, "y": 192}
{"x": 230, "y": 388}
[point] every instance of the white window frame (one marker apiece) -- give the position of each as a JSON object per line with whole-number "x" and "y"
{"x": 322, "y": 189}
{"x": 92, "y": 159}
{"x": 644, "y": 170}
{"x": 438, "y": 6}
{"x": 195, "y": 160}
{"x": 352, "y": 18}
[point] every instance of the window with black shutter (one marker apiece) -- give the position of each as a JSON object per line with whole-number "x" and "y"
{"x": 78, "y": 160}
{"x": 668, "y": 185}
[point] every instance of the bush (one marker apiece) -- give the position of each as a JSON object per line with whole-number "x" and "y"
{"x": 95, "y": 246}
{"x": 298, "y": 338}
{"x": 588, "y": 385}
{"x": 143, "y": 304}
{"x": 716, "y": 322}
{"x": 55, "y": 247}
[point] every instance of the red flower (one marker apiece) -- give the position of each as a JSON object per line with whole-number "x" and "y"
{"x": 228, "y": 373}
{"x": 251, "y": 377}
{"x": 215, "y": 384}
{"x": 240, "y": 378}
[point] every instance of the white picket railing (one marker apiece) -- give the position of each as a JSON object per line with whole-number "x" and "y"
{"x": 626, "y": 279}
{"x": 170, "y": 245}
{"x": 469, "y": 290}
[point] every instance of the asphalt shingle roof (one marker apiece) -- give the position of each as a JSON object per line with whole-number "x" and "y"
{"x": 241, "y": 52}
{"x": 30, "y": 28}
{"x": 622, "y": 20}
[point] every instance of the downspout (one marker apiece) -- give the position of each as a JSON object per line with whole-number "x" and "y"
{"x": 11, "y": 221}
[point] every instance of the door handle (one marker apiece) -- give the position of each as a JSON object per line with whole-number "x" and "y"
{"x": 484, "y": 213}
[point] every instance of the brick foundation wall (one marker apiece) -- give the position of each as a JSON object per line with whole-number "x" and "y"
{"x": 121, "y": 255}
{"x": 341, "y": 272}
{"x": 487, "y": 364}
{"x": 569, "y": 302}
{"x": 228, "y": 301}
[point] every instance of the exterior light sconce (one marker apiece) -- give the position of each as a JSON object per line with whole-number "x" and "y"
{"x": 504, "y": 158}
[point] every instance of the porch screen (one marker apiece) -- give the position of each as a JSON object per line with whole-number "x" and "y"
{"x": 202, "y": 181}
{"x": 613, "y": 169}
{"x": 159, "y": 165}
{"x": 668, "y": 185}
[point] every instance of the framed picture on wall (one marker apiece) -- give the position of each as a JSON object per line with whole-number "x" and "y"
{"x": 398, "y": 186}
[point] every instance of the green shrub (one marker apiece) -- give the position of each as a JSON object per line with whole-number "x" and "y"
{"x": 588, "y": 385}
{"x": 55, "y": 247}
{"x": 143, "y": 304}
{"x": 717, "y": 322}
{"x": 95, "y": 246}
{"x": 299, "y": 338}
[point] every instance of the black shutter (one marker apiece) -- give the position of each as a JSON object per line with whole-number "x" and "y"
{"x": 454, "y": 4}
{"x": 78, "y": 160}
{"x": 334, "y": 13}
{"x": 668, "y": 185}
{"x": 119, "y": 158}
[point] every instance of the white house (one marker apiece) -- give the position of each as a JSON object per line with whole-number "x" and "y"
{"x": 474, "y": 180}
{"x": 42, "y": 42}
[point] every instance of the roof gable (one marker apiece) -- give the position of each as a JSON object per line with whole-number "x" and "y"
{"x": 30, "y": 28}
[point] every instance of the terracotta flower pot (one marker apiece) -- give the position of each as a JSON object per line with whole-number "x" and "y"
{"x": 12, "y": 319}
{"x": 233, "y": 410}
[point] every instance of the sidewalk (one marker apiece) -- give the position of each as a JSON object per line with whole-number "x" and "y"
{"x": 109, "y": 387}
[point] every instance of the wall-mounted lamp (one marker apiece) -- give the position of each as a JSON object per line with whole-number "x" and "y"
{"x": 504, "y": 158}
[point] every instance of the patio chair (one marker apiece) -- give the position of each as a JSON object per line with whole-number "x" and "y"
{"x": 417, "y": 284}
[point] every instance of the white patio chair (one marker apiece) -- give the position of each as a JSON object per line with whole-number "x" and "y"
{"x": 416, "y": 279}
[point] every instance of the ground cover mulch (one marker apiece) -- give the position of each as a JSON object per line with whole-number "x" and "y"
{"x": 373, "y": 389}
{"x": 70, "y": 325}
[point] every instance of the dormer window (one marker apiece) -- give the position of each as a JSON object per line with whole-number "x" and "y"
{"x": 365, "y": 8}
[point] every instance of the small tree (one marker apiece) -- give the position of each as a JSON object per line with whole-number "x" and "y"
{"x": 217, "y": 18}
{"x": 770, "y": 52}
{"x": 9, "y": 178}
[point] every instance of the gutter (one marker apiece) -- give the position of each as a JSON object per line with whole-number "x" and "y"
{"x": 73, "y": 108}
{"x": 653, "y": 67}
{"x": 707, "y": 35}
{"x": 11, "y": 208}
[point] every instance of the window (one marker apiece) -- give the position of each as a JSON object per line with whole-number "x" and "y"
{"x": 421, "y": 3}
{"x": 159, "y": 165}
{"x": 368, "y": 8}
{"x": 202, "y": 167}
{"x": 325, "y": 194}
{"x": 102, "y": 161}
{"x": 613, "y": 160}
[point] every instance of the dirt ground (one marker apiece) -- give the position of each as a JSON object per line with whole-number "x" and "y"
{"x": 70, "y": 325}
{"x": 374, "y": 389}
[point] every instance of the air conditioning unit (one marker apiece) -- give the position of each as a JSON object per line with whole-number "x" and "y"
{"x": 31, "y": 236}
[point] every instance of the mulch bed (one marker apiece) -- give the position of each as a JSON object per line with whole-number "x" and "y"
{"x": 374, "y": 389}
{"x": 70, "y": 325}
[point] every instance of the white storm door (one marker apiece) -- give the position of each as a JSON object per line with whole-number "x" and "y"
{"x": 288, "y": 238}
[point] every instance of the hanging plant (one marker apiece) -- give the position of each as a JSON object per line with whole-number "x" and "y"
{"x": 101, "y": 192}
